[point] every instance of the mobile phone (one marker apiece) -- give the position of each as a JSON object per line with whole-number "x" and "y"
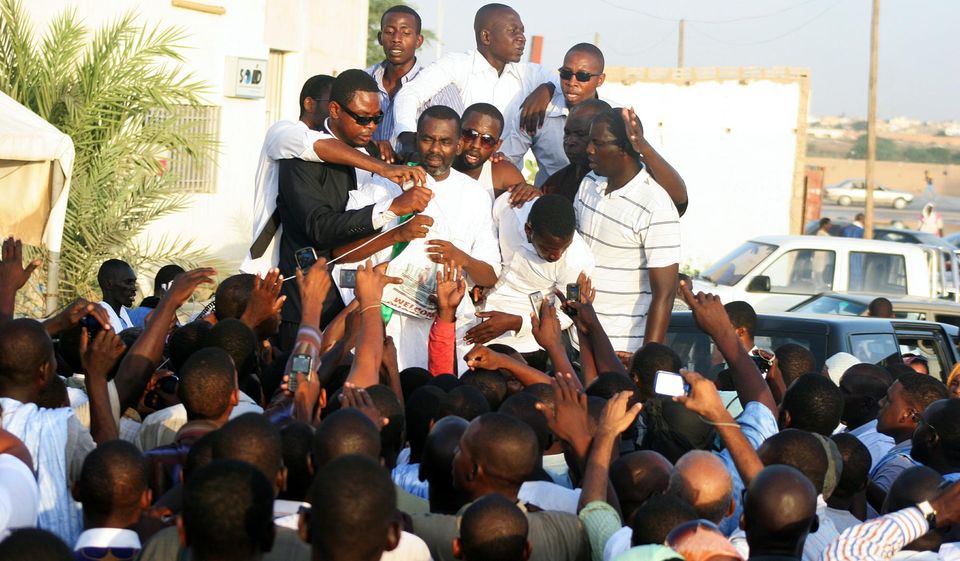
{"x": 348, "y": 278}
{"x": 573, "y": 292}
{"x": 92, "y": 324}
{"x": 536, "y": 298}
{"x": 670, "y": 383}
{"x": 299, "y": 364}
{"x": 306, "y": 257}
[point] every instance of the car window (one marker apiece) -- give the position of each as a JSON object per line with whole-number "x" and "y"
{"x": 697, "y": 352}
{"x": 802, "y": 271}
{"x": 890, "y": 236}
{"x": 922, "y": 316}
{"x": 732, "y": 267}
{"x": 880, "y": 273}
{"x": 831, "y": 305}
{"x": 930, "y": 347}
{"x": 948, "y": 318}
{"x": 875, "y": 348}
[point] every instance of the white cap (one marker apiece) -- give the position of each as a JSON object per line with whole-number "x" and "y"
{"x": 838, "y": 364}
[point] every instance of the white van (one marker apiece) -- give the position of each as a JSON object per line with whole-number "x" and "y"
{"x": 773, "y": 273}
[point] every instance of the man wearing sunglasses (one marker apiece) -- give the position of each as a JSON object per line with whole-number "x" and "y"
{"x": 480, "y": 131}
{"x": 492, "y": 73}
{"x": 304, "y": 139}
{"x": 580, "y": 76}
{"x": 312, "y": 196}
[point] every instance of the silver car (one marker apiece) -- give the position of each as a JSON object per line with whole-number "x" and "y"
{"x": 851, "y": 191}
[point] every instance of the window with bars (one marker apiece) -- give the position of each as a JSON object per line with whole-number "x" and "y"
{"x": 195, "y": 174}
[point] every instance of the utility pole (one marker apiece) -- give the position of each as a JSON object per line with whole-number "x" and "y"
{"x": 680, "y": 47}
{"x": 596, "y": 39}
{"x": 871, "y": 121}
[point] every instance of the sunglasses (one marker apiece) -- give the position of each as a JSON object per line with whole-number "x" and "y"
{"x": 469, "y": 135}
{"x": 361, "y": 119}
{"x": 582, "y": 76}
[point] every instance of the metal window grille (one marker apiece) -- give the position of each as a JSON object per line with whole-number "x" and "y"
{"x": 195, "y": 174}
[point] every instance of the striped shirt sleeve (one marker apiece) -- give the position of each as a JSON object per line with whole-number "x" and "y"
{"x": 879, "y": 539}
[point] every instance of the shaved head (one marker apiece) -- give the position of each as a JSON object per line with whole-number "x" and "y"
{"x": 800, "y": 450}
{"x": 701, "y": 479}
{"x": 25, "y": 349}
{"x": 779, "y": 511}
{"x": 493, "y": 528}
{"x": 342, "y": 433}
{"x": 637, "y": 476}
{"x": 487, "y": 15}
{"x": 503, "y": 449}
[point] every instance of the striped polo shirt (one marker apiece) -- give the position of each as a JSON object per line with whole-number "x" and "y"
{"x": 630, "y": 230}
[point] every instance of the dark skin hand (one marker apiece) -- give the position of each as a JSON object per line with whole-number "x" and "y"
{"x": 533, "y": 110}
{"x": 658, "y": 168}
{"x": 72, "y": 314}
{"x": 494, "y": 325}
{"x": 13, "y": 275}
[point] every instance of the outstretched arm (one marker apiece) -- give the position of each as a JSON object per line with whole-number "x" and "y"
{"x": 658, "y": 168}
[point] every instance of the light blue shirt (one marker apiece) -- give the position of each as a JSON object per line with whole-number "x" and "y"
{"x": 757, "y": 424}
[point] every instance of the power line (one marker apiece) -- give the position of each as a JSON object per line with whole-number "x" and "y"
{"x": 656, "y": 43}
{"x": 709, "y": 22}
{"x": 771, "y": 39}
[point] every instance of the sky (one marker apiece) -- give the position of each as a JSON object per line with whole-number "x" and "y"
{"x": 919, "y": 53}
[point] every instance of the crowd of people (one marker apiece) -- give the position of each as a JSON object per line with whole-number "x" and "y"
{"x": 427, "y": 358}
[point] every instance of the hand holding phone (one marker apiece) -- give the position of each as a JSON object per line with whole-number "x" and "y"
{"x": 670, "y": 384}
{"x": 306, "y": 257}
{"x": 536, "y": 298}
{"x": 299, "y": 364}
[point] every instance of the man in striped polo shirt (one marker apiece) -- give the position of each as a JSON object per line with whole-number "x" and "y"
{"x": 632, "y": 226}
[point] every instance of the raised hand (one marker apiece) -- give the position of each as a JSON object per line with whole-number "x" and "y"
{"x": 568, "y": 420}
{"x": 100, "y": 355}
{"x": 72, "y": 314}
{"x": 265, "y": 300}
{"x": 402, "y": 174}
{"x": 482, "y": 357}
{"x": 634, "y": 129}
{"x": 355, "y": 397}
{"x": 370, "y": 283}
{"x": 494, "y": 325}
{"x": 707, "y": 310}
{"x": 704, "y": 400}
{"x": 186, "y": 283}
{"x": 450, "y": 290}
{"x": 617, "y": 415}
{"x": 411, "y": 200}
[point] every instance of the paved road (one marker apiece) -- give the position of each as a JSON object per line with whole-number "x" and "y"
{"x": 949, "y": 207}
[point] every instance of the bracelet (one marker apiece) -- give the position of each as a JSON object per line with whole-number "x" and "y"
{"x": 370, "y": 307}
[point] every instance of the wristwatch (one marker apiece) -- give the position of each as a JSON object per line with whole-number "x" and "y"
{"x": 929, "y": 513}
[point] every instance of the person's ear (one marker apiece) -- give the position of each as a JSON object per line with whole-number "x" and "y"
{"x": 784, "y": 419}
{"x": 484, "y": 38}
{"x": 323, "y": 399}
{"x": 334, "y": 110}
{"x": 182, "y": 532}
{"x": 46, "y": 372}
{"x": 310, "y": 469}
{"x": 499, "y": 143}
{"x": 146, "y": 498}
{"x": 235, "y": 397}
{"x": 282, "y": 479}
{"x": 309, "y": 105}
{"x": 457, "y": 548}
{"x": 419, "y": 40}
{"x": 75, "y": 491}
{"x": 528, "y": 230}
{"x": 815, "y": 524}
{"x": 527, "y": 551}
{"x": 732, "y": 508}
{"x": 601, "y": 79}
{"x": 380, "y": 38}
{"x": 303, "y": 527}
{"x": 743, "y": 521}
{"x": 739, "y": 331}
{"x": 393, "y": 536}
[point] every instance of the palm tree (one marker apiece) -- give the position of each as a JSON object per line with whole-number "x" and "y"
{"x": 116, "y": 92}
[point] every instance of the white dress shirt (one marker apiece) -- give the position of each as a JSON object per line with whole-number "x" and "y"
{"x": 630, "y": 230}
{"x": 118, "y": 322}
{"x": 447, "y": 96}
{"x": 476, "y": 81}
{"x": 525, "y": 272}
{"x": 160, "y": 427}
{"x": 284, "y": 140}
{"x": 547, "y": 143}
{"x": 108, "y": 537}
{"x": 815, "y": 544}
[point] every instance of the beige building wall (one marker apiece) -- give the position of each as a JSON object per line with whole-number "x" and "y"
{"x": 308, "y": 37}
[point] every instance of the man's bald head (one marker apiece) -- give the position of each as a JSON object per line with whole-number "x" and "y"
{"x": 637, "y": 476}
{"x": 26, "y": 357}
{"x": 493, "y": 528}
{"x": 701, "y": 479}
{"x": 779, "y": 511}
{"x": 345, "y": 432}
{"x": 487, "y": 16}
{"x": 253, "y": 439}
{"x": 499, "y": 450}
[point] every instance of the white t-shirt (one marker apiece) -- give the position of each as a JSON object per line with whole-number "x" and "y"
{"x": 630, "y": 230}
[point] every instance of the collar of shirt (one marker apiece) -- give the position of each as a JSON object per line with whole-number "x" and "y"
{"x": 482, "y": 66}
{"x": 378, "y": 70}
{"x": 328, "y": 130}
{"x": 635, "y": 183}
{"x": 108, "y": 537}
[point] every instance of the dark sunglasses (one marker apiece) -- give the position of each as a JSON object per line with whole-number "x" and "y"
{"x": 363, "y": 120}
{"x": 582, "y": 76}
{"x": 470, "y": 135}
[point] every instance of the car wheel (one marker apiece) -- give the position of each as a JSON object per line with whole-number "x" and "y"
{"x": 844, "y": 201}
{"x": 900, "y": 203}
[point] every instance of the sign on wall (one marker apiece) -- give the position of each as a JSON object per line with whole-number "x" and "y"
{"x": 245, "y": 77}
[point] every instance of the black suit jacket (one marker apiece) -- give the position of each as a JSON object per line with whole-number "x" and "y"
{"x": 312, "y": 200}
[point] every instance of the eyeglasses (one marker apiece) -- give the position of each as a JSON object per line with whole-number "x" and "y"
{"x": 582, "y": 76}
{"x": 363, "y": 120}
{"x": 469, "y": 135}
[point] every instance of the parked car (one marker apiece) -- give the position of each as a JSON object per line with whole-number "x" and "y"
{"x": 904, "y": 307}
{"x": 873, "y": 340}
{"x": 774, "y": 273}
{"x": 953, "y": 239}
{"x": 901, "y": 235}
{"x": 851, "y": 191}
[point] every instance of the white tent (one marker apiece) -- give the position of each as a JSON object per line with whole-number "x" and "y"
{"x": 36, "y": 162}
